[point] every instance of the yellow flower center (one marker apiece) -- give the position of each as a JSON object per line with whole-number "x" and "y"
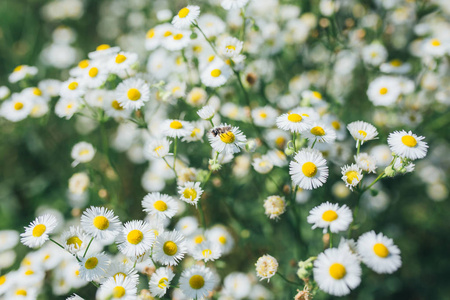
{"x": 396, "y": 63}
{"x": 101, "y": 222}
{"x": 162, "y": 283}
{"x": 435, "y": 42}
{"x": 175, "y": 89}
{"x": 317, "y": 95}
{"x": 211, "y": 58}
{"x": 409, "y": 141}
{"x": 93, "y": 72}
{"x": 83, "y": 64}
{"x": 227, "y": 137}
{"x": 198, "y": 239}
{"x": 231, "y": 47}
{"x": 222, "y": 240}
{"x": 46, "y": 257}
{"x": 118, "y": 292}
{"x": 195, "y": 132}
{"x": 2, "y": 279}
{"x": 39, "y": 230}
{"x": 160, "y": 205}
{"x": 91, "y": 263}
{"x": 167, "y": 33}
{"x": 329, "y": 216}
{"x": 176, "y": 125}
{"x": 21, "y": 292}
{"x": 37, "y": 92}
{"x": 381, "y": 250}
{"x": 196, "y": 96}
{"x": 309, "y": 169}
{"x": 351, "y": 175}
{"x": 119, "y": 273}
{"x": 263, "y": 115}
{"x": 190, "y": 193}
{"x": 383, "y": 91}
{"x": 216, "y": 73}
{"x": 170, "y": 248}
{"x": 120, "y": 58}
{"x": 18, "y": 105}
{"x": 73, "y": 85}
{"x": 206, "y": 253}
{"x": 74, "y": 240}
{"x": 151, "y": 33}
{"x": 295, "y": 118}
{"x": 337, "y": 271}
{"x": 318, "y": 131}
{"x": 18, "y": 68}
{"x": 336, "y": 125}
{"x": 197, "y": 282}
{"x": 103, "y": 47}
{"x": 362, "y": 132}
{"x": 29, "y": 272}
{"x": 178, "y": 36}
{"x": 116, "y": 105}
{"x": 183, "y": 12}
{"x": 133, "y": 94}
{"x": 135, "y": 237}
{"x": 280, "y": 141}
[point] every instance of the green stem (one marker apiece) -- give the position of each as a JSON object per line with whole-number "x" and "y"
{"x": 167, "y": 163}
{"x": 202, "y": 214}
{"x": 175, "y": 155}
{"x": 287, "y": 280}
{"x": 375, "y": 181}
{"x": 87, "y": 248}
{"x": 331, "y": 237}
{"x": 358, "y": 143}
{"x": 312, "y": 147}
{"x": 294, "y": 137}
{"x": 58, "y": 244}
{"x": 212, "y": 124}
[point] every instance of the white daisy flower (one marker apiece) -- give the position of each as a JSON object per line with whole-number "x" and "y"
{"x": 36, "y": 234}
{"x": 74, "y": 240}
{"x": 72, "y": 88}
{"x": 237, "y": 285}
{"x": 177, "y": 89}
{"x": 395, "y": 66}
{"x": 118, "y": 267}
{"x": 384, "y": 90}
{"x": 351, "y": 175}
{"x": 103, "y": 51}
{"x": 95, "y": 76}
{"x": 113, "y": 108}
{"x": 337, "y": 271}
{"x": 186, "y": 16}
{"x": 227, "y": 139}
{"x": 219, "y": 234}
{"x": 211, "y": 25}
{"x": 94, "y": 266}
{"x": 74, "y": 297}
{"x": 100, "y": 223}
{"x": 157, "y": 148}
{"x": 374, "y": 54}
{"x": 179, "y": 39}
{"x": 21, "y": 291}
{"x": 264, "y": 116}
{"x": 160, "y": 281}
{"x": 407, "y": 145}
{"x": 266, "y": 267}
{"x": 197, "y": 282}
{"x": 176, "y": 128}
{"x": 309, "y": 169}
{"x": 122, "y": 62}
{"x": 4, "y": 92}
{"x": 66, "y": 108}
{"x": 206, "y": 251}
{"x": 196, "y": 97}
{"x": 328, "y": 215}
{"x": 277, "y": 157}
{"x": 21, "y": 72}
{"x": 79, "y": 183}
{"x": 17, "y": 108}
{"x": 274, "y": 206}
{"x": 321, "y": 133}
{"x": 136, "y": 238}
{"x": 161, "y": 205}
{"x": 262, "y": 165}
{"x": 435, "y": 47}
{"x": 196, "y": 134}
{"x": 187, "y": 225}
{"x": 362, "y": 131}
{"x": 206, "y": 112}
{"x": 119, "y": 287}
{"x": 366, "y": 162}
{"x": 190, "y": 192}
{"x": 215, "y": 74}
{"x": 132, "y": 93}
{"x": 233, "y": 4}
{"x": 230, "y": 47}
{"x": 170, "y": 248}
{"x": 293, "y": 121}
{"x": 82, "y": 152}
{"x": 379, "y": 252}
{"x": 8, "y": 239}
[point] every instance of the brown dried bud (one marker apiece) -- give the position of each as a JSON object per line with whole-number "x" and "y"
{"x": 251, "y": 78}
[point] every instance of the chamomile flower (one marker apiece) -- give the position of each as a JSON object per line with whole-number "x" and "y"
{"x": 351, "y": 175}
{"x": 113, "y": 108}
{"x": 196, "y": 134}
{"x": 293, "y": 122}
{"x": 94, "y": 266}
{"x": 309, "y": 169}
{"x": 196, "y": 97}
{"x": 362, "y": 131}
{"x": 176, "y": 128}
{"x": 190, "y": 192}
{"x": 72, "y": 88}
{"x": 36, "y": 234}
{"x": 79, "y": 183}
{"x": 197, "y": 282}
{"x": 132, "y": 93}
{"x": 66, "y": 107}
{"x": 264, "y": 116}
{"x": 100, "y": 223}
{"x": 170, "y": 248}
{"x": 366, "y": 162}
{"x": 160, "y": 205}
{"x": 206, "y": 251}
{"x": 157, "y": 148}
{"x": 230, "y": 47}
{"x": 74, "y": 240}
{"x": 274, "y": 206}
{"x": 21, "y": 72}
{"x": 4, "y": 92}
{"x": 122, "y": 62}
{"x": 395, "y": 66}
{"x": 407, "y": 144}
{"x": 321, "y": 133}
{"x": 219, "y": 234}
{"x": 119, "y": 287}
{"x": 227, "y": 139}
{"x": 95, "y": 76}
{"x": 266, "y": 267}
{"x": 262, "y": 165}
{"x": 435, "y": 47}
{"x": 160, "y": 281}
{"x": 206, "y": 112}
{"x": 16, "y": 109}
{"x": 82, "y": 152}
{"x": 103, "y": 51}
{"x": 136, "y": 238}
{"x": 117, "y": 267}
{"x": 379, "y": 252}
{"x": 337, "y": 271}
{"x": 215, "y": 74}
{"x": 384, "y": 90}
{"x": 374, "y": 54}
{"x": 187, "y": 225}
{"x": 328, "y": 215}
{"x": 186, "y": 16}
{"x": 8, "y": 239}
{"x": 178, "y": 40}
{"x": 233, "y": 4}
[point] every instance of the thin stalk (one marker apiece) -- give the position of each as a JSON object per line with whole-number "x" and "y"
{"x": 312, "y": 147}
{"x": 87, "y": 248}
{"x": 175, "y": 155}
{"x": 375, "y": 181}
{"x": 287, "y": 280}
{"x": 358, "y": 145}
{"x": 58, "y": 244}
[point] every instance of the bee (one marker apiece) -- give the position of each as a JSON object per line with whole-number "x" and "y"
{"x": 220, "y": 130}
